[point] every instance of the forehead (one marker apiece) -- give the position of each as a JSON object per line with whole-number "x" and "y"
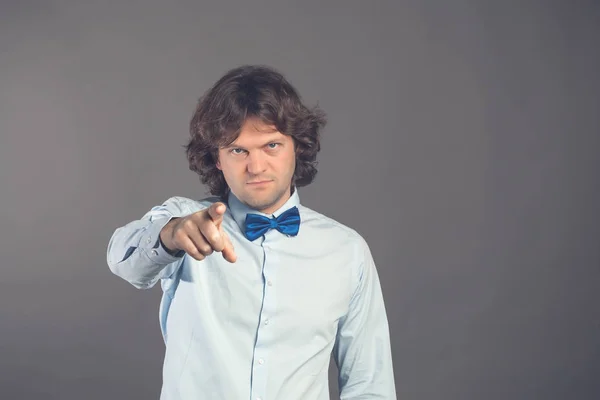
{"x": 254, "y": 126}
{"x": 255, "y": 131}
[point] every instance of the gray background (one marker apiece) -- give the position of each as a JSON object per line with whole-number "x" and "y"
{"x": 463, "y": 144}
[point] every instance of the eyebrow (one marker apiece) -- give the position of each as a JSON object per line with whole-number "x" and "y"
{"x": 237, "y": 146}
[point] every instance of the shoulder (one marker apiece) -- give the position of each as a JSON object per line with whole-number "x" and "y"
{"x": 347, "y": 242}
{"x": 186, "y": 205}
{"x": 328, "y": 226}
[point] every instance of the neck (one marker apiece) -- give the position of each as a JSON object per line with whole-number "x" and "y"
{"x": 280, "y": 202}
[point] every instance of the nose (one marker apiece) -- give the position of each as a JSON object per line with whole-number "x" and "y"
{"x": 256, "y": 164}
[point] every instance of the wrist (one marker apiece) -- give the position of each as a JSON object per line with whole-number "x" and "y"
{"x": 165, "y": 237}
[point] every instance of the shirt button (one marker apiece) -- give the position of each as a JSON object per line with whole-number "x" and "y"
{"x": 261, "y": 361}
{"x": 148, "y": 240}
{"x": 269, "y": 283}
{"x": 267, "y": 321}
{"x": 154, "y": 252}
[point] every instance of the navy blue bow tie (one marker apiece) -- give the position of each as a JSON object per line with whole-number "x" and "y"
{"x": 287, "y": 223}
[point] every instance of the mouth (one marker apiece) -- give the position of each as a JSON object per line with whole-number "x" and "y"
{"x": 258, "y": 183}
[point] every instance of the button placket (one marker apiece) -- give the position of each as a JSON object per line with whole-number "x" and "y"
{"x": 265, "y": 334}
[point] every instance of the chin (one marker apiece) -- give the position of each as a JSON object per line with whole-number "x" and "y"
{"x": 260, "y": 205}
{"x": 261, "y": 202}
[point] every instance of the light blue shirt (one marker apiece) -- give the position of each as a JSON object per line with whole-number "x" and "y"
{"x": 263, "y": 328}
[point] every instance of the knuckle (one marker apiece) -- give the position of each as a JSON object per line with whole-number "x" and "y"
{"x": 205, "y": 249}
{"x": 179, "y": 234}
{"x": 196, "y": 254}
{"x": 215, "y": 237}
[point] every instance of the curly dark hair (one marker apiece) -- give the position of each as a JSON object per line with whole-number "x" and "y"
{"x": 252, "y": 91}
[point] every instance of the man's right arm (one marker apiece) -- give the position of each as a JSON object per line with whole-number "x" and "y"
{"x": 135, "y": 252}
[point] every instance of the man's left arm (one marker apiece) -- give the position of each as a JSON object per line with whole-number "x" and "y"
{"x": 362, "y": 350}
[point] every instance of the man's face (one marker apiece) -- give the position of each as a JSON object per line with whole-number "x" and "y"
{"x": 258, "y": 166}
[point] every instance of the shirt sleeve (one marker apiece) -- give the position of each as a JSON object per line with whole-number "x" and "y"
{"x": 135, "y": 251}
{"x": 362, "y": 350}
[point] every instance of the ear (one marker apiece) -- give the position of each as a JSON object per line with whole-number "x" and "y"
{"x": 294, "y": 144}
{"x": 217, "y": 162}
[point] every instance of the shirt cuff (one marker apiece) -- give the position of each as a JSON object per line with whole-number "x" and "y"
{"x": 151, "y": 244}
{"x": 177, "y": 253}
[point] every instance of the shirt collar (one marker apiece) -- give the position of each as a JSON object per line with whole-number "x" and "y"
{"x": 239, "y": 210}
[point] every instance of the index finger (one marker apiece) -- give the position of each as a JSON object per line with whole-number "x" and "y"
{"x": 216, "y": 212}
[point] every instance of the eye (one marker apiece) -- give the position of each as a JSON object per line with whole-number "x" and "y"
{"x": 273, "y": 145}
{"x": 237, "y": 151}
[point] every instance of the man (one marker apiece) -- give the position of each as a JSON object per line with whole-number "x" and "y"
{"x": 290, "y": 286}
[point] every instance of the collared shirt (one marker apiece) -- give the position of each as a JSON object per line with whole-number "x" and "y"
{"x": 264, "y": 327}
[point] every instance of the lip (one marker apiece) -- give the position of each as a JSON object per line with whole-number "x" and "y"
{"x": 258, "y": 183}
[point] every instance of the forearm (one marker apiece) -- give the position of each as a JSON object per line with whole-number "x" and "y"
{"x": 135, "y": 252}
{"x": 136, "y": 255}
{"x": 363, "y": 350}
{"x": 366, "y": 368}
